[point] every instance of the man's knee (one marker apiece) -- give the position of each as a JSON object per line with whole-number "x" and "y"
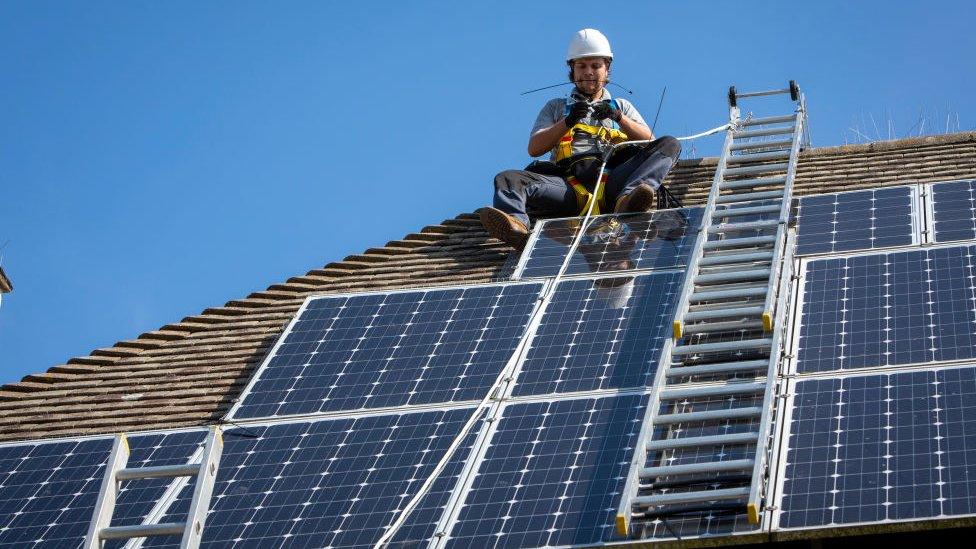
{"x": 669, "y": 146}
{"x": 510, "y": 180}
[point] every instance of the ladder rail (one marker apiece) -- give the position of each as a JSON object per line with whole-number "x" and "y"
{"x": 206, "y": 478}
{"x": 753, "y": 504}
{"x": 631, "y": 483}
{"x": 107, "y": 496}
{"x": 688, "y": 286}
{"x": 785, "y": 207}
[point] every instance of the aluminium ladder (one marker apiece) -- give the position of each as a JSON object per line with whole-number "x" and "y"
{"x": 702, "y": 449}
{"x": 116, "y": 472}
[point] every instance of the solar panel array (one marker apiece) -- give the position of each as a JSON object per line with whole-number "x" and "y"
{"x": 954, "y": 210}
{"x": 857, "y": 220}
{"x": 881, "y": 447}
{"x": 385, "y": 350}
{"x": 363, "y": 394}
{"x": 888, "y": 309}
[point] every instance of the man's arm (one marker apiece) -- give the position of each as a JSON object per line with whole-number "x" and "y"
{"x": 544, "y": 140}
{"x": 635, "y": 130}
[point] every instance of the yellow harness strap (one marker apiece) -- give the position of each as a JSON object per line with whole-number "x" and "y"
{"x": 584, "y": 197}
{"x": 564, "y": 149}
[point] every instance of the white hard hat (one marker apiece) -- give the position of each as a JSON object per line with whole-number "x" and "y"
{"x": 588, "y": 43}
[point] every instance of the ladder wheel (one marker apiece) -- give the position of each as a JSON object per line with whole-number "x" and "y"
{"x": 794, "y": 90}
{"x": 732, "y": 96}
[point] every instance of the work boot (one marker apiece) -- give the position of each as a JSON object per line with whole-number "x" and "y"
{"x": 641, "y": 199}
{"x": 504, "y": 227}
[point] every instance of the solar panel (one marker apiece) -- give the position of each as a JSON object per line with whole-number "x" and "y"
{"x": 954, "y": 210}
{"x": 880, "y": 447}
{"x": 857, "y": 220}
{"x": 331, "y": 483}
{"x": 603, "y": 333}
{"x": 48, "y": 490}
{"x": 551, "y": 475}
{"x": 394, "y": 349}
{"x": 661, "y": 239}
{"x": 888, "y": 309}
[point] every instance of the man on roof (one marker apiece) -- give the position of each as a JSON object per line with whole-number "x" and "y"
{"x": 577, "y": 131}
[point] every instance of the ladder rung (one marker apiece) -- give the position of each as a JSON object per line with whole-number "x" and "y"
{"x": 713, "y": 390}
{"x": 688, "y": 497}
{"x": 143, "y": 530}
{"x": 708, "y": 415}
{"x": 747, "y": 134}
{"x": 718, "y": 368}
{"x": 730, "y": 326}
{"x": 744, "y": 226}
{"x": 783, "y": 144}
{"x": 733, "y": 276}
{"x": 755, "y": 182}
{"x": 739, "y": 242}
{"x": 164, "y": 471}
{"x": 757, "y": 157}
{"x": 735, "y": 212}
{"x": 758, "y": 344}
{"x": 762, "y": 93}
{"x": 692, "y": 442}
{"x": 725, "y": 259}
{"x": 767, "y": 120}
{"x": 723, "y": 313}
{"x": 748, "y": 197}
{"x": 759, "y": 291}
{"x": 763, "y": 168}
{"x": 691, "y": 468}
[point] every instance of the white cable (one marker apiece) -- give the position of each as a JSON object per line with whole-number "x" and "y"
{"x": 716, "y": 129}
{"x": 503, "y": 375}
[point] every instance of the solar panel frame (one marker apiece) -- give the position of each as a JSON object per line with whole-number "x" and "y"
{"x": 256, "y": 378}
{"x": 916, "y": 216}
{"x": 784, "y": 431}
{"x": 930, "y": 191}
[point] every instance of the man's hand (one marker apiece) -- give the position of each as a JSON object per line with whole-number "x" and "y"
{"x": 577, "y": 112}
{"x": 607, "y": 108}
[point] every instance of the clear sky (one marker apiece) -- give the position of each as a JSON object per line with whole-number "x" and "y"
{"x": 159, "y": 158}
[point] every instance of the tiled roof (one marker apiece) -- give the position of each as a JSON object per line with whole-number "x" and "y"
{"x": 190, "y": 372}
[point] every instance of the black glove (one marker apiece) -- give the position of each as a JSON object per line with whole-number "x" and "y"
{"x": 577, "y": 112}
{"x": 607, "y": 108}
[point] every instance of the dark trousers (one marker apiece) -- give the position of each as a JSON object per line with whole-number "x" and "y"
{"x": 522, "y": 193}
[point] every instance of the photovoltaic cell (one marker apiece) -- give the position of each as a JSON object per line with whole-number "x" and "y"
{"x": 858, "y": 220}
{"x": 604, "y": 333}
{"x": 881, "y": 447}
{"x": 888, "y": 309}
{"x": 552, "y": 475}
{"x": 954, "y": 210}
{"x": 331, "y": 483}
{"x": 379, "y": 350}
{"x": 661, "y": 239}
{"x": 48, "y": 490}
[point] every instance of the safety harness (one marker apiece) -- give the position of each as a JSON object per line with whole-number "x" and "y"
{"x": 564, "y": 152}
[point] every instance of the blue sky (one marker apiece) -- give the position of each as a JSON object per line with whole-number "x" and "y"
{"x": 158, "y": 158}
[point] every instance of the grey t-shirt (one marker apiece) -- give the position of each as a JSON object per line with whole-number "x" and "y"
{"x": 555, "y": 109}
